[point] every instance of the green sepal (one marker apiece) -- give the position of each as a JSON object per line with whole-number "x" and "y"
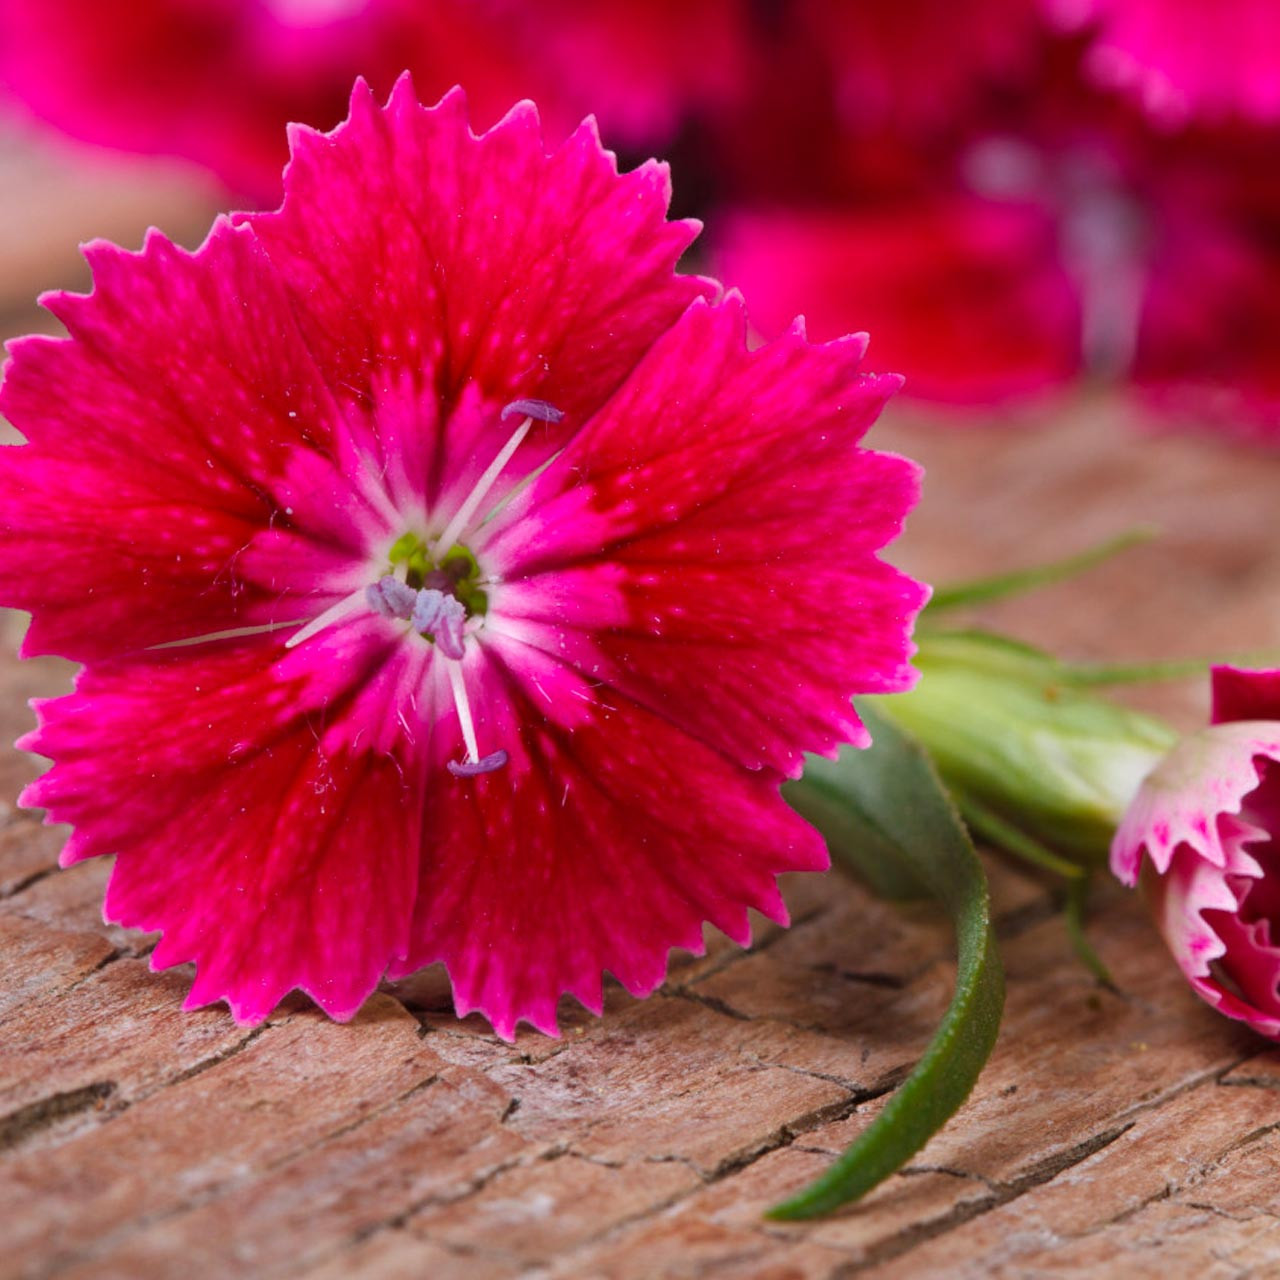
{"x": 891, "y": 808}
{"x": 1009, "y": 729}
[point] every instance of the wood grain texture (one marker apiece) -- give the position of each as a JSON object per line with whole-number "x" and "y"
{"x": 1134, "y": 1134}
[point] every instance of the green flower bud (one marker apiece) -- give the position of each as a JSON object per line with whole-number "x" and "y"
{"x": 1008, "y": 729}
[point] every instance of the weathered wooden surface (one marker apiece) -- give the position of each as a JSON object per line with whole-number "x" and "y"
{"x": 1134, "y": 1134}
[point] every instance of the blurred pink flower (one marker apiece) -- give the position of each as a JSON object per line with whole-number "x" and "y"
{"x": 968, "y": 294}
{"x": 643, "y": 67}
{"x": 1074, "y": 242}
{"x": 1183, "y": 59}
{"x": 911, "y": 65}
{"x": 1202, "y": 835}
{"x": 216, "y": 81}
{"x": 950, "y": 176}
{"x": 570, "y": 579}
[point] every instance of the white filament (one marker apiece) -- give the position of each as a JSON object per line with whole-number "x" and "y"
{"x": 482, "y": 486}
{"x": 459, "y": 685}
{"x": 334, "y": 613}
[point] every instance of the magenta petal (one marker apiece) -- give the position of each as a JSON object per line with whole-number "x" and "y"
{"x": 161, "y": 432}
{"x": 1230, "y": 962}
{"x": 1202, "y": 831}
{"x": 556, "y": 280}
{"x": 305, "y": 881}
{"x": 707, "y": 543}
{"x": 257, "y": 822}
{"x": 1203, "y": 777}
{"x": 1224, "y": 958}
{"x": 602, "y": 844}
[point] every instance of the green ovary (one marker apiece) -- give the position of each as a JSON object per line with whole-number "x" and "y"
{"x": 457, "y": 574}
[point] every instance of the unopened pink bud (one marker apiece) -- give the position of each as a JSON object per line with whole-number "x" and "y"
{"x": 1201, "y": 834}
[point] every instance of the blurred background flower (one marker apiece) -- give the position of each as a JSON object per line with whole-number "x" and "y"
{"x": 1014, "y": 197}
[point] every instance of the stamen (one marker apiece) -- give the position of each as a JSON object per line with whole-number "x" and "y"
{"x": 426, "y": 609}
{"x": 459, "y": 686}
{"x": 391, "y": 598}
{"x": 474, "y": 764}
{"x": 443, "y": 617}
{"x": 356, "y": 600}
{"x": 471, "y": 769}
{"x": 532, "y": 409}
{"x": 539, "y": 409}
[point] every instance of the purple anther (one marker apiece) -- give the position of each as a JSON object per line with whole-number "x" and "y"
{"x": 442, "y": 618}
{"x": 448, "y": 628}
{"x": 391, "y": 598}
{"x": 538, "y": 409}
{"x": 426, "y": 609}
{"x": 471, "y": 768}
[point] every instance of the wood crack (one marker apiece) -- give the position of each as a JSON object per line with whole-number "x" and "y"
{"x": 13, "y": 890}
{"x": 18, "y": 1126}
{"x": 213, "y": 1060}
{"x": 399, "y": 1220}
{"x": 1037, "y": 1175}
{"x": 887, "y": 1082}
{"x": 218, "y": 1189}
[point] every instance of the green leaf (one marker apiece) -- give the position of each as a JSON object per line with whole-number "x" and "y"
{"x": 890, "y": 801}
{"x": 854, "y": 841}
{"x": 1000, "y": 587}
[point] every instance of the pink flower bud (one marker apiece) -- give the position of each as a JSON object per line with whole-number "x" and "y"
{"x": 1201, "y": 836}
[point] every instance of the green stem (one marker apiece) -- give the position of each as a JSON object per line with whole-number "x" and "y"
{"x": 1073, "y": 917}
{"x": 995, "y": 830}
{"x": 1001, "y": 586}
{"x": 1120, "y": 673}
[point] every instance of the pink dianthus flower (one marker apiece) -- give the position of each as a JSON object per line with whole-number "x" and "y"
{"x": 1202, "y": 834}
{"x": 644, "y": 67}
{"x": 1183, "y": 59}
{"x": 968, "y": 294}
{"x": 217, "y": 81}
{"x": 920, "y": 66}
{"x": 453, "y": 583}
{"x": 1078, "y": 243}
